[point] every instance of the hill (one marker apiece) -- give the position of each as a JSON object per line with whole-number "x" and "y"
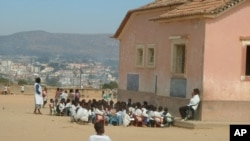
{"x": 45, "y": 44}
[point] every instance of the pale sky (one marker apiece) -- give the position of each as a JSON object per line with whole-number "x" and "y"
{"x": 64, "y": 16}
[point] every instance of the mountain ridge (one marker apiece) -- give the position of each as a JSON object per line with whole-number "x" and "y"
{"x": 41, "y": 43}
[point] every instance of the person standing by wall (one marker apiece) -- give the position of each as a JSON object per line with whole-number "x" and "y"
{"x": 9, "y": 89}
{"x": 5, "y": 89}
{"x": 77, "y": 95}
{"x": 45, "y": 96}
{"x": 57, "y": 94}
{"x": 22, "y": 88}
{"x": 38, "y": 96}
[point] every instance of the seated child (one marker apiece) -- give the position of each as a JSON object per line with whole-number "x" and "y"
{"x": 127, "y": 119}
{"x": 81, "y": 114}
{"x": 67, "y": 107}
{"x": 61, "y": 107}
{"x": 167, "y": 118}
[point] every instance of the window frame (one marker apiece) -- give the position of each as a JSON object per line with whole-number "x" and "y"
{"x": 133, "y": 82}
{"x": 245, "y": 44}
{"x": 174, "y": 43}
{"x": 150, "y": 64}
{"x": 139, "y": 61}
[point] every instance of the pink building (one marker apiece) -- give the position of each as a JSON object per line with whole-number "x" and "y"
{"x": 170, "y": 47}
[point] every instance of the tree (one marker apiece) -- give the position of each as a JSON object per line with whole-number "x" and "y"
{"x": 111, "y": 85}
{"x": 22, "y": 82}
{"x": 4, "y": 80}
{"x": 53, "y": 81}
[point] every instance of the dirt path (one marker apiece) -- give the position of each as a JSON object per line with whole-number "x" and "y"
{"x": 17, "y": 122}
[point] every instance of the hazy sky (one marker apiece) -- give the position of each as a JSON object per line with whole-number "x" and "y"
{"x": 64, "y": 16}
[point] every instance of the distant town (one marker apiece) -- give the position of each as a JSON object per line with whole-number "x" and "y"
{"x": 57, "y": 72}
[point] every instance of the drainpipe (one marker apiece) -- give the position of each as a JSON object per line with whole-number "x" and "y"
{"x": 155, "y": 84}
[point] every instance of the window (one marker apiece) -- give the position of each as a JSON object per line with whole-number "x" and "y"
{"x": 150, "y": 55}
{"x": 178, "y": 87}
{"x": 178, "y": 55}
{"x": 245, "y": 73}
{"x": 178, "y": 58}
{"x": 247, "y": 70}
{"x": 139, "y": 55}
{"x": 133, "y": 82}
{"x": 178, "y": 83}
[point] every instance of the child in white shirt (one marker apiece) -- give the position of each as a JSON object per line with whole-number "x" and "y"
{"x": 99, "y": 128}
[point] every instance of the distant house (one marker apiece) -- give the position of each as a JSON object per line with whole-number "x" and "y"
{"x": 170, "y": 47}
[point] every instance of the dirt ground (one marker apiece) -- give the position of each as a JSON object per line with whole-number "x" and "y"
{"x": 17, "y": 122}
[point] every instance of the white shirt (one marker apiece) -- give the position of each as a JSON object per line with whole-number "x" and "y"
{"x": 157, "y": 114}
{"x": 138, "y": 112}
{"x": 169, "y": 117}
{"x": 194, "y": 101}
{"x": 73, "y": 109}
{"x": 38, "y": 97}
{"x": 126, "y": 119}
{"x": 22, "y": 88}
{"x": 82, "y": 114}
{"x": 98, "y": 111}
{"x": 131, "y": 110}
{"x": 150, "y": 114}
{"x": 64, "y": 96}
{"x": 144, "y": 112}
{"x": 99, "y": 138}
{"x": 68, "y": 105}
{"x": 5, "y": 88}
{"x": 61, "y": 106}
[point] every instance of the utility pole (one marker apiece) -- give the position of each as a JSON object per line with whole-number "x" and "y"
{"x": 81, "y": 71}
{"x": 75, "y": 74}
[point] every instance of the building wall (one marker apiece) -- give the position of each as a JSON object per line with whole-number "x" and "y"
{"x": 170, "y": 102}
{"x": 213, "y": 63}
{"x": 142, "y": 31}
{"x": 225, "y": 95}
{"x": 228, "y": 111}
{"x": 137, "y": 26}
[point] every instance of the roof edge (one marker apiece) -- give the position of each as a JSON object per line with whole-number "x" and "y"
{"x": 141, "y": 9}
{"x": 208, "y": 14}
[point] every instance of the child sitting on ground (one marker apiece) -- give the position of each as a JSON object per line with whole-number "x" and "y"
{"x": 167, "y": 118}
{"x": 127, "y": 119}
{"x": 61, "y": 108}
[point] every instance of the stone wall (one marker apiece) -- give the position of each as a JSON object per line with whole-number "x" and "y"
{"x": 29, "y": 90}
{"x": 172, "y": 103}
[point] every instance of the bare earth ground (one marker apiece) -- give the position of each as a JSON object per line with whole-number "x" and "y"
{"x": 17, "y": 122}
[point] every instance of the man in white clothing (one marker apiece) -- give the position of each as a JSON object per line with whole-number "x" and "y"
{"x": 193, "y": 104}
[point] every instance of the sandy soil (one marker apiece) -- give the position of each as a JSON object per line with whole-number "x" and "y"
{"x": 17, "y": 122}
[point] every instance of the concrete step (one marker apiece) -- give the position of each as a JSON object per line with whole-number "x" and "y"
{"x": 193, "y": 124}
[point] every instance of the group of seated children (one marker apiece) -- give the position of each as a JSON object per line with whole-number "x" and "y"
{"x": 119, "y": 113}
{"x": 110, "y": 113}
{"x": 150, "y": 115}
{"x": 62, "y": 103}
